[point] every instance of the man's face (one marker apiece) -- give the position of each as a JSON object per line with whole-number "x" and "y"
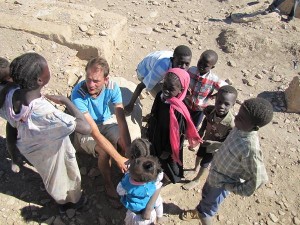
{"x": 95, "y": 80}
{"x": 182, "y": 62}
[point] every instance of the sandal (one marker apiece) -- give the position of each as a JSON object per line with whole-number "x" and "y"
{"x": 190, "y": 215}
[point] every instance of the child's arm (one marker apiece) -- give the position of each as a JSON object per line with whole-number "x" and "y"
{"x": 138, "y": 90}
{"x": 149, "y": 207}
{"x": 254, "y": 166}
{"x": 82, "y": 126}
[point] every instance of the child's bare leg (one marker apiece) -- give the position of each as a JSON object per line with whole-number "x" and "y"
{"x": 196, "y": 168}
{"x": 11, "y": 139}
{"x": 196, "y": 180}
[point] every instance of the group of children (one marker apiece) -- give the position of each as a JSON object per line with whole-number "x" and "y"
{"x": 230, "y": 143}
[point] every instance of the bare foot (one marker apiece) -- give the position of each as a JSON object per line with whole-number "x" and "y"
{"x": 190, "y": 185}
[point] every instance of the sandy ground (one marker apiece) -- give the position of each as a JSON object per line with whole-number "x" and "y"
{"x": 257, "y": 57}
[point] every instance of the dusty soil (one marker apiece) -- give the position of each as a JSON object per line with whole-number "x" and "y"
{"x": 259, "y": 58}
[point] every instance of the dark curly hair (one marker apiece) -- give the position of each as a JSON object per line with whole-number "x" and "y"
{"x": 26, "y": 69}
{"x": 210, "y": 55}
{"x": 259, "y": 110}
{"x": 140, "y": 147}
{"x": 145, "y": 169}
{"x": 4, "y": 69}
{"x": 182, "y": 50}
{"x": 228, "y": 89}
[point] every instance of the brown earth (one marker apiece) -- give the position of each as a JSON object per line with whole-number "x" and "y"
{"x": 259, "y": 58}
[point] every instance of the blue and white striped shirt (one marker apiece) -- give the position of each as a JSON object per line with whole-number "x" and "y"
{"x": 152, "y": 68}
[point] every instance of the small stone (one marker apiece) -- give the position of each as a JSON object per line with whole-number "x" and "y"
{"x": 176, "y": 35}
{"x": 103, "y": 33}
{"x": 276, "y": 78}
{"x": 229, "y": 81}
{"x": 71, "y": 213}
{"x": 90, "y": 32}
{"x": 273, "y": 218}
{"x": 231, "y": 63}
{"x": 157, "y": 29}
{"x": 258, "y": 76}
{"x": 296, "y": 220}
{"x": 245, "y": 81}
{"x": 251, "y": 83}
{"x": 83, "y": 28}
{"x": 83, "y": 171}
{"x": 32, "y": 41}
{"x": 144, "y": 46}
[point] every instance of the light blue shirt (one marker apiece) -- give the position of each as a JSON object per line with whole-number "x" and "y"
{"x": 97, "y": 107}
{"x": 153, "y": 67}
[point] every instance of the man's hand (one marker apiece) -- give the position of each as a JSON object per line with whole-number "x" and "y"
{"x": 122, "y": 164}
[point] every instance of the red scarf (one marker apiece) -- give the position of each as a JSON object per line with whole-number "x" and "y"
{"x": 176, "y": 103}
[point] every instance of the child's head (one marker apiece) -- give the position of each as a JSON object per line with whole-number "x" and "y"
{"x": 176, "y": 82}
{"x": 144, "y": 169}
{"x": 182, "y": 57}
{"x": 140, "y": 147}
{"x": 253, "y": 114}
{"x": 225, "y": 100}
{"x": 4, "y": 70}
{"x": 207, "y": 61}
{"x": 30, "y": 71}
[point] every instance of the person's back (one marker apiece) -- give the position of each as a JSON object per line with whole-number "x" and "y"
{"x": 238, "y": 166}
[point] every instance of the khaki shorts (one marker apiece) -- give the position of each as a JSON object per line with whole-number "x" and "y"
{"x": 108, "y": 129}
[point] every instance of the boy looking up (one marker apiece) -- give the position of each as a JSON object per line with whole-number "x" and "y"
{"x": 238, "y": 165}
{"x": 217, "y": 124}
{"x": 202, "y": 85}
{"x": 153, "y": 67}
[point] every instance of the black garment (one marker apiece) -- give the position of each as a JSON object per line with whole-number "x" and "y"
{"x": 159, "y": 135}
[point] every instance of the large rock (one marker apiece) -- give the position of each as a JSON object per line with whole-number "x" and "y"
{"x": 62, "y": 23}
{"x": 134, "y": 120}
{"x": 292, "y": 96}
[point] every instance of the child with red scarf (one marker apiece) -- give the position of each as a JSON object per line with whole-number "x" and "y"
{"x": 170, "y": 123}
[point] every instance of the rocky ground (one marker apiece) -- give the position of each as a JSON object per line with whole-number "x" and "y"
{"x": 260, "y": 58}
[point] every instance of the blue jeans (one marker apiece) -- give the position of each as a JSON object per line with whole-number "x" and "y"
{"x": 212, "y": 197}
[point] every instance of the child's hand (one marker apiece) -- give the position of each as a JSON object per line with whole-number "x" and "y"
{"x": 58, "y": 99}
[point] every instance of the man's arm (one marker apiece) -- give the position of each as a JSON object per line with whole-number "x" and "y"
{"x": 104, "y": 144}
{"x": 125, "y": 139}
{"x": 129, "y": 108}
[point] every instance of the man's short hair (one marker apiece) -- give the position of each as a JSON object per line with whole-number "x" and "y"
{"x": 259, "y": 110}
{"x": 98, "y": 61}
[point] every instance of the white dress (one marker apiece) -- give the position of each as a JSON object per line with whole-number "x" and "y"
{"x": 43, "y": 138}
